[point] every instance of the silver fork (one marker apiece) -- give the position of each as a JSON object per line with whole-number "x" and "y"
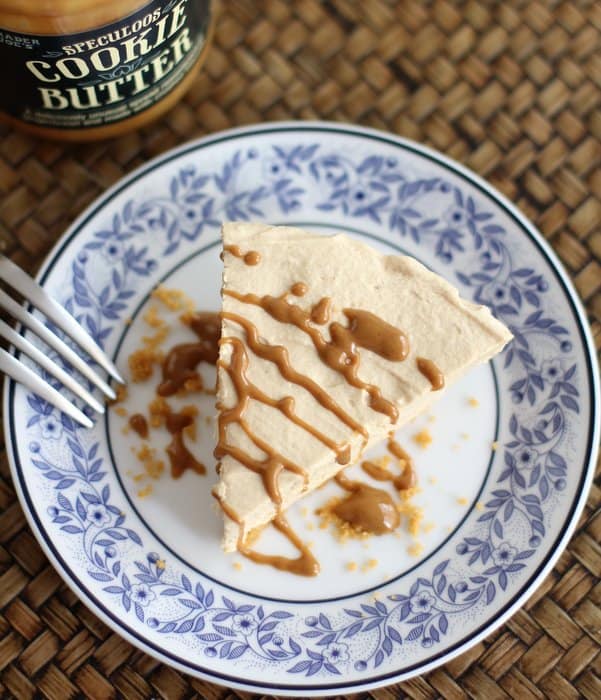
{"x": 31, "y": 291}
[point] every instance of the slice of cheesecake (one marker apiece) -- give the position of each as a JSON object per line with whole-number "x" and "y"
{"x": 327, "y": 346}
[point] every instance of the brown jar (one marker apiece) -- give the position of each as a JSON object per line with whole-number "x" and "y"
{"x": 81, "y": 70}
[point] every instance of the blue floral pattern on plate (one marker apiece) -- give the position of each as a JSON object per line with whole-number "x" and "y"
{"x": 410, "y": 197}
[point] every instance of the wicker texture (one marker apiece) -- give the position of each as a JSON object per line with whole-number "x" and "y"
{"x": 513, "y": 90}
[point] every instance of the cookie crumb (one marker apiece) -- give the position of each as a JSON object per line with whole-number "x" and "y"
{"x": 369, "y": 564}
{"x": 407, "y": 494}
{"x": 415, "y": 549}
{"x": 152, "y": 318}
{"x": 153, "y": 467}
{"x": 473, "y": 402}
{"x": 237, "y": 565}
{"x": 158, "y": 408}
{"x": 351, "y": 566}
{"x": 121, "y": 391}
{"x": 145, "y": 492}
{"x": 462, "y": 501}
{"x": 413, "y": 514}
{"x": 173, "y": 299}
{"x": 423, "y": 438}
{"x": 141, "y": 365}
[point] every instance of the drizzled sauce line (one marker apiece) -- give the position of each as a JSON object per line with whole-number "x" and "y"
{"x": 278, "y": 355}
{"x": 270, "y": 468}
{"x": 253, "y": 257}
{"x": 401, "y": 482}
{"x": 182, "y": 360}
{"x": 408, "y": 478}
{"x": 238, "y": 373}
{"x": 303, "y": 565}
{"x": 431, "y": 372}
{"x": 340, "y": 353}
{"x": 180, "y": 457}
{"x": 320, "y": 313}
{"x": 373, "y": 333}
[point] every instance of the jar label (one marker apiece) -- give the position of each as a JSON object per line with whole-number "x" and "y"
{"x": 105, "y": 75}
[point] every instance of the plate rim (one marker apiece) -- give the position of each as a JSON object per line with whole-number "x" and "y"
{"x": 89, "y": 600}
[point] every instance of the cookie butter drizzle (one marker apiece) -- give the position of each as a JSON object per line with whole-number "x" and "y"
{"x": 246, "y": 390}
{"x": 365, "y": 330}
{"x": 299, "y": 289}
{"x": 431, "y": 373}
{"x": 278, "y": 355}
{"x": 253, "y": 257}
{"x": 320, "y": 313}
{"x": 139, "y": 424}
{"x": 366, "y": 508}
{"x": 181, "y": 361}
{"x": 405, "y": 480}
{"x": 303, "y": 565}
{"x": 180, "y": 366}
{"x": 180, "y": 457}
{"x": 271, "y": 467}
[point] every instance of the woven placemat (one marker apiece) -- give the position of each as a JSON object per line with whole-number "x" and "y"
{"x": 512, "y": 90}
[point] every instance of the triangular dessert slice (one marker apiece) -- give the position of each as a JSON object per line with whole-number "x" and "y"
{"x": 327, "y": 345}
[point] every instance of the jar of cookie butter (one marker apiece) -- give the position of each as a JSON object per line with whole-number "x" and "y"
{"x": 81, "y": 70}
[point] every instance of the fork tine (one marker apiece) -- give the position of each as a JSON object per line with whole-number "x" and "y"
{"x": 22, "y": 374}
{"x": 18, "y": 279}
{"x": 51, "y": 367}
{"x": 54, "y": 342}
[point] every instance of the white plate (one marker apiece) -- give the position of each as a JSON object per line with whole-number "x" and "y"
{"x": 152, "y": 568}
